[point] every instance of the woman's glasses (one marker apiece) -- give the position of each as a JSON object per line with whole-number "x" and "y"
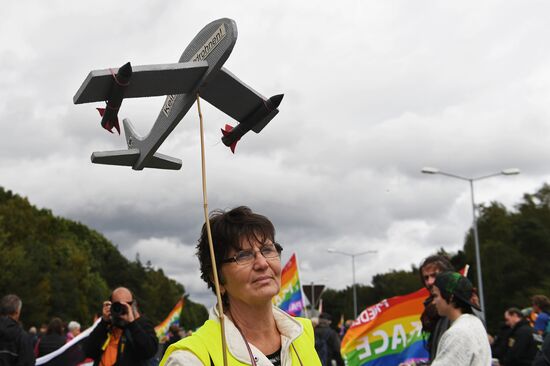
{"x": 269, "y": 251}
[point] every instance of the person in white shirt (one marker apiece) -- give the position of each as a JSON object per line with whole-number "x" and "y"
{"x": 465, "y": 343}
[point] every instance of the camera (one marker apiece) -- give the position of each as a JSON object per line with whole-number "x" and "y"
{"x": 117, "y": 309}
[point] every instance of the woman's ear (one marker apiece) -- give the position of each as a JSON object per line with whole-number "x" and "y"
{"x": 221, "y": 278}
{"x": 222, "y": 283}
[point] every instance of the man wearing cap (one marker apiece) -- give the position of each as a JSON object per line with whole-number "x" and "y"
{"x": 465, "y": 343}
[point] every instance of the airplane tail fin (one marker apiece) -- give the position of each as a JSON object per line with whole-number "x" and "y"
{"x": 130, "y": 132}
{"x": 130, "y": 156}
{"x": 161, "y": 161}
{"x": 116, "y": 157}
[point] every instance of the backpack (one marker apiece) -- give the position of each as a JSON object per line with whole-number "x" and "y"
{"x": 321, "y": 346}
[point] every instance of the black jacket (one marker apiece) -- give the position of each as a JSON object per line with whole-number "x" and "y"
{"x": 543, "y": 356}
{"x": 139, "y": 339}
{"x": 324, "y": 333}
{"x": 500, "y": 343}
{"x": 52, "y": 342}
{"x": 521, "y": 347}
{"x": 15, "y": 345}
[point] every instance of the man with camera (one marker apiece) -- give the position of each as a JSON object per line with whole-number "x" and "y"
{"x": 122, "y": 337}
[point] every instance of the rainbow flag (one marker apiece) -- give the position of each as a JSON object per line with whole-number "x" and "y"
{"x": 172, "y": 318}
{"x": 387, "y": 333}
{"x": 290, "y": 297}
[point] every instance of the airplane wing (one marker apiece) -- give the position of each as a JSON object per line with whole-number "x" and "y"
{"x": 233, "y": 97}
{"x": 146, "y": 81}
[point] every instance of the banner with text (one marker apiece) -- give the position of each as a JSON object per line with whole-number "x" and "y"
{"x": 387, "y": 333}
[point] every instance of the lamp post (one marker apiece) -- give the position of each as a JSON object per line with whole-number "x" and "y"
{"x": 352, "y": 255}
{"x": 513, "y": 171}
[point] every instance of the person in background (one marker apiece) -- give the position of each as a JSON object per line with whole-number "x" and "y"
{"x": 465, "y": 343}
{"x": 53, "y": 340}
{"x": 529, "y": 315}
{"x": 15, "y": 344}
{"x": 433, "y": 323}
{"x": 74, "y": 330}
{"x": 327, "y": 342}
{"x": 543, "y": 356}
{"x": 347, "y": 324}
{"x": 541, "y": 306}
{"x": 499, "y": 343}
{"x": 122, "y": 337}
{"x": 43, "y": 329}
{"x": 173, "y": 336}
{"x": 521, "y": 347}
{"x": 75, "y": 354}
{"x": 33, "y": 333}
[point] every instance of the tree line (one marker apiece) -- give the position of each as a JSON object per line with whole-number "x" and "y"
{"x": 62, "y": 268}
{"x": 514, "y": 248}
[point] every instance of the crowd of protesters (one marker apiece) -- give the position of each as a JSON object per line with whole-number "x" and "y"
{"x": 120, "y": 337}
{"x": 523, "y": 337}
{"x": 454, "y": 327}
{"x": 452, "y": 331}
{"x": 452, "y": 321}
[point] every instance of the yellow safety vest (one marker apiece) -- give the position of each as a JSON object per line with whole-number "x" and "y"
{"x": 206, "y": 343}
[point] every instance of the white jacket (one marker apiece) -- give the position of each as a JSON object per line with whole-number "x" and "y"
{"x": 465, "y": 343}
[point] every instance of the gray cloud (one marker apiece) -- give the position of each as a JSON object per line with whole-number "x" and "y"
{"x": 373, "y": 92}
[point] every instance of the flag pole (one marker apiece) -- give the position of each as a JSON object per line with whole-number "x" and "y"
{"x": 301, "y": 289}
{"x": 209, "y": 234}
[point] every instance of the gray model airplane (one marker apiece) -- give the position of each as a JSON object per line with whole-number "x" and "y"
{"x": 198, "y": 71}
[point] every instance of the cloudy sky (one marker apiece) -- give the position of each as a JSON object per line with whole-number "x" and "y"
{"x": 374, "y": 91}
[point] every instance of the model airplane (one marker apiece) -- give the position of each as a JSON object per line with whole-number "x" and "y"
{"x": 198, "y": 71}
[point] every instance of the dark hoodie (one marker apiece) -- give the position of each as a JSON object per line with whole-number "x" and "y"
{"x": 15, "y": 344}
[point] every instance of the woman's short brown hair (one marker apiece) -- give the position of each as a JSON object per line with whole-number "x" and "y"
{"x": 228, "y": 229}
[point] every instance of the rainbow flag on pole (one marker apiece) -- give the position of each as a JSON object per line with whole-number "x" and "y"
{"x": 387, "y": 333}
{"x": 172, "y": 318}
{"x": 290, "y": 297}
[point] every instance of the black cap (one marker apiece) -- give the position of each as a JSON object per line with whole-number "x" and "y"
{"x": 452, "y": 283}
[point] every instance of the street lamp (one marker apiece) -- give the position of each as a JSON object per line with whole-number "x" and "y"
{"x": 352, "y": 255}
{"x": 512, "y": 171}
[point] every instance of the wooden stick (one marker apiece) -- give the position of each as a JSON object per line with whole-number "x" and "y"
{"x": 209, "y": 233}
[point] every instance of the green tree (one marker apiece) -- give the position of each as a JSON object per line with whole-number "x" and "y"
{"x": 62, "y": 268}
{"x": 193, "y": 315}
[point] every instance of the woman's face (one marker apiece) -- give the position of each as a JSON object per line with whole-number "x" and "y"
{"x": 255, "y": 281}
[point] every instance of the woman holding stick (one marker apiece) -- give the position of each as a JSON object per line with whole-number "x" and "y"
{"x": 249, "y": 265}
